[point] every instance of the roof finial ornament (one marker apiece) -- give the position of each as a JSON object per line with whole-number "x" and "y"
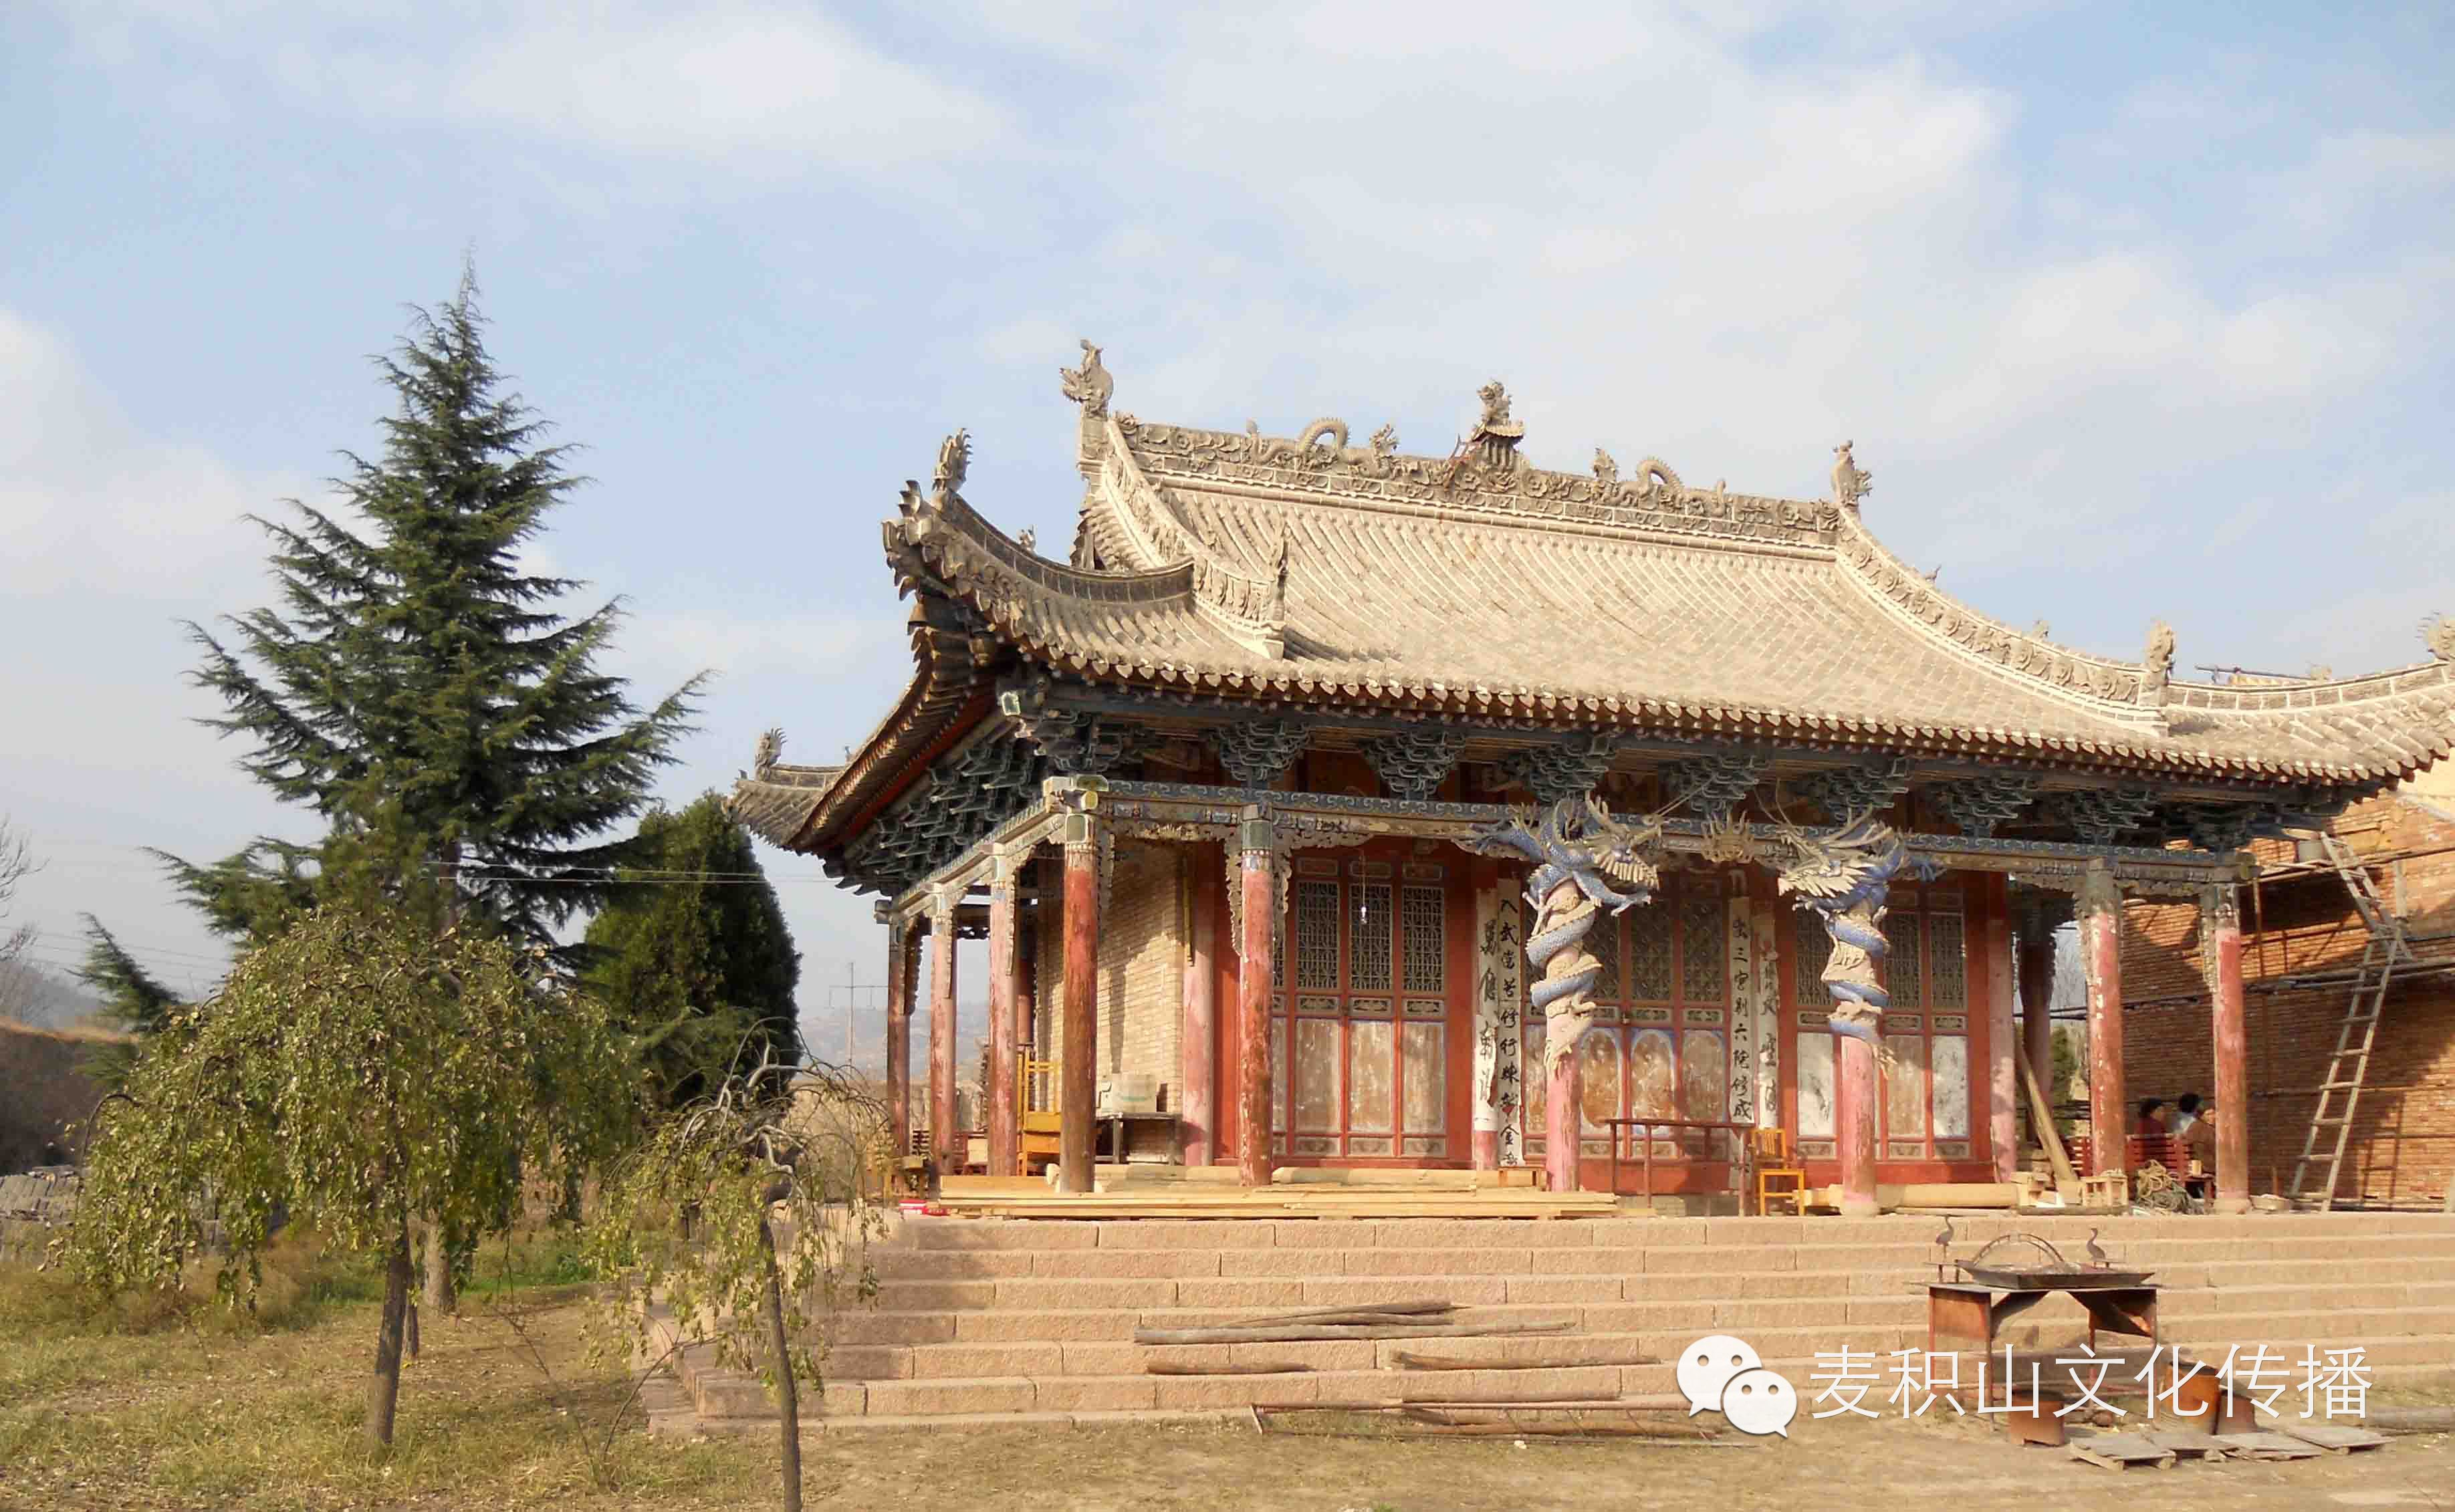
{"x": 2158, "y": 663}
{"x": 1089, "y": 385}
{"x": 1028, "y": 540}
{"x": 1850, "y": 482}
{"x": 767, "y": 753}
{"x": 954, "y": 461}
{"x": 2438, "y": 633}
{"x": 1384, "y": 441}
{"x": 2043, "y": 631}
{"x": 1606, "y": 469}
{"x": 1495, "y": 439}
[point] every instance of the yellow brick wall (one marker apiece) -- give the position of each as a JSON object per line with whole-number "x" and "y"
{"x": 1143, "y": 948}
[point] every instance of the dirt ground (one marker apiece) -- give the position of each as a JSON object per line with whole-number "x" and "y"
{"x": 1826, "y": 1466}
{"x": 174, "y": 1418}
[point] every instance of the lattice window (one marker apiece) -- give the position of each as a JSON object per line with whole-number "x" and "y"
{"x": 1426, "y": 963}
{"x": 1703, "y": 969}
{"x": 1649, "y": 958}
{"x": 1813, "y": 948}
{"x": 1371, "y": 939}
{"x": 1604, "y": 941}
{"x": 1316, "y": 936}
{"x": 1905, "y": 966}
{"x": 1947, "y": 965}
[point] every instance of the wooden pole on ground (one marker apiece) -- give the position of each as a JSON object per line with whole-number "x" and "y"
{"x": 2036, "y": 948}
{"x": 2220, "y": 946}
{"x": 1005, "y": 1137}
{"x": 1079, "y": 1095}
{"x": 1256, "y": 874}
{"x": 2101, "y": 943}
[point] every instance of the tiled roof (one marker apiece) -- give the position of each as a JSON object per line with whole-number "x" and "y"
{"x": 1238, "y": 566}
{"x": 1243, "y": 565}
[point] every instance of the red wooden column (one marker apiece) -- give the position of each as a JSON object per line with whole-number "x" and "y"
{"x": 2002, "y": 1080}
{"x": 1078, "y": 1077}
{"x": 1006, "y": 1135}
{"x": 2220, "y": 945}
{"x": 1857, "y": 1097}
{"x": 1562, "y": 1102}
{"x": 1198, "y": 1089}
{"x": 899, "y": 1035}
{"x": 945, "y": 1140}
{"x": 1257, "y": 875}
{"x": 2101, "y": 945}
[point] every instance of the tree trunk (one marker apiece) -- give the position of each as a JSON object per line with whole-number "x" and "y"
{"x": 788, "y": 1399}
{"x": 383, "y": 1389}
{"x": 440, "y": 1298}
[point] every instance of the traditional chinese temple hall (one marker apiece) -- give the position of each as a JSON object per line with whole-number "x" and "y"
{"x": 1338, "y": 809}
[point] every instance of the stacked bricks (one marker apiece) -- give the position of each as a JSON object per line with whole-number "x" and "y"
{"x": 1034, "y": 1320}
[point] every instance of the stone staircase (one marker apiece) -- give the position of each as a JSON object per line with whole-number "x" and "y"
{"x": 1025, "y": 1320}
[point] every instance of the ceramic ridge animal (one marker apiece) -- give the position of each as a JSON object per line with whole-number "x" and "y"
{"x": 1584, "y": 860}
{"x": 1843, "y": 876}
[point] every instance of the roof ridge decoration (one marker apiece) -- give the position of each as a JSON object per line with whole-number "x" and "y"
{"x": 1484, "y": 478}
{"x": 1249, "y": 606}
{"x": 2101, "y": 685}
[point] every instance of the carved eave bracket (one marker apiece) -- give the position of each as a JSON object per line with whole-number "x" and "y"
{"x": 1257, "y": 753}
{"x": 1413, "y": 763}
{"x": 2100, "y": 816}
{"x": 1565, "y": 769}
{"x": 1981, "y": 804}
{"x": 1072, "y": 742}
{"x": 1711, "y": 786}
{"x": 1867, "y": 787}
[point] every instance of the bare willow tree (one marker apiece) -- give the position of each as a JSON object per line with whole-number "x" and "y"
{"x": 16, "y": 864}
{"x": 690, "y": 1222}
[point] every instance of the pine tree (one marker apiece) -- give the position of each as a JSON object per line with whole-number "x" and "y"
{"x": 133, "y": 999}
{"x": 692, "y": 954}
{"x": 422, "y": 692}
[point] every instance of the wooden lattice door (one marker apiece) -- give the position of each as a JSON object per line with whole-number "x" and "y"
{"x": 1359, "y": 1041}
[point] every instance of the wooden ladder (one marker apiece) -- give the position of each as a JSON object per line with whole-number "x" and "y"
{"x": 2332, "y": 1122}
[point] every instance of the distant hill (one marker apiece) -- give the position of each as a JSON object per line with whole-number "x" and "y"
{"x": 46, "y": 999}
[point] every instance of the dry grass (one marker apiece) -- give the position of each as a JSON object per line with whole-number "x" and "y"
{"x": 154, "y": 1404}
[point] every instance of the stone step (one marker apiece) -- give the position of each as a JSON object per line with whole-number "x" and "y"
{"x": 2297, "y": 1232}
{"x": 1041, "y": 1344}
{"x": 1010, "y": 1396}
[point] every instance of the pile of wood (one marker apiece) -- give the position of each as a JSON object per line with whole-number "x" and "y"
{"x": 1431, "y": 1319}
{"x": 1420, "y": 1405}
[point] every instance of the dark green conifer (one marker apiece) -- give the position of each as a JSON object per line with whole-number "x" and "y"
{"x": 418, "y": 686}
{"x": 692, "y": 954}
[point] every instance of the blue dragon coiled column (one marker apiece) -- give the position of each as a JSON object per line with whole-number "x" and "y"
{"x": 1584, "y": 859}
{"x": 1843, "y": 876}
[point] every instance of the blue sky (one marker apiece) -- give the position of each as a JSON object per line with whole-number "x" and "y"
{"x": 2132, "y": 311}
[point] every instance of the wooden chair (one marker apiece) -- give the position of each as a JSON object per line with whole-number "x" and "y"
{"x": 1778, "y": 1180}
{"x": 1036, "y": 1112}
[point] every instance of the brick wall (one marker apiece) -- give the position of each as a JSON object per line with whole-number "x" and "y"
{"x": 2301, "y": 922}
{"x": 1142, "y": 947}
